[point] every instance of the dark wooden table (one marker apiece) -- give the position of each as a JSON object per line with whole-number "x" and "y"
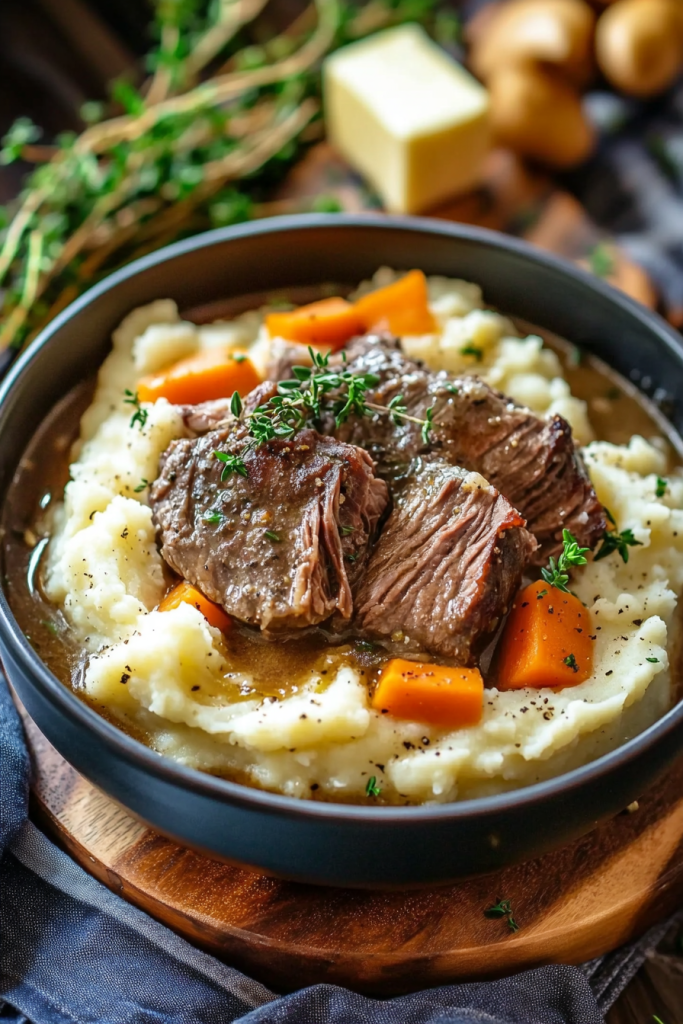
{"x": 54, "y": 55}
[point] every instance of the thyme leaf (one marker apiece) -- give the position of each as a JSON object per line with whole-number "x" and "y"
{"x": 213, "y": 515}
{"x": 601, "y": 261}
{"x": 231, "y": 464}
{"x": 503, "y": 908}
{"x": 499, "y": 909}
{"x": 236, "y": 404}
{"x": 372, "y": 789}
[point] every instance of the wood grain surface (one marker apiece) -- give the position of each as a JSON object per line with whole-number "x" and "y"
{"x": 571, "y": 905}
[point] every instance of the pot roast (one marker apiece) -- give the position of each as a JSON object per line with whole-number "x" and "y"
{"x": 447, "y": 564}
{"x": 280, "y": 547}
{"x": 532, "y": 461}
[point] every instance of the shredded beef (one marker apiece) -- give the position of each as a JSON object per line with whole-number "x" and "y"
{"x": 288, "y": 541}
{"x": 447, "y": 564}
{"x": 532, "y": 461}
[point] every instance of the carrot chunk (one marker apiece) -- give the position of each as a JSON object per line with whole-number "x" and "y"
{"x": 401, "y": 307}
{"x": 435, "y": 694}
{"x": 214, "y": 373}
{"x": 330, "y": 322}
{"x": 185, "y": 593}
{"x": 546, "y": 640}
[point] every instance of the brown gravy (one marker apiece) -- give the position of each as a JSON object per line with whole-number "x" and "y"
{"x": 617, "y": 411}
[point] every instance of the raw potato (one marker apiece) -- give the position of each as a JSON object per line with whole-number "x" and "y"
{"x": 537, "y": 114}
{"x": 556, "y": 32}
{"x": 639, "y": 45}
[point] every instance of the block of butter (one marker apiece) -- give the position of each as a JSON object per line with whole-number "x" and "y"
{"x": 407, "y": 116}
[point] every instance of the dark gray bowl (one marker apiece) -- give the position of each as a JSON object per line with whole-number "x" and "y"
{"x": 317, "y": 842}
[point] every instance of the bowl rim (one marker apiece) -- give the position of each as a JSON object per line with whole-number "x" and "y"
{"x": 243, "y": 796}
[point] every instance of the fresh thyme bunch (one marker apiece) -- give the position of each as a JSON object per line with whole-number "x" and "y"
{"x": 199, "y": 144}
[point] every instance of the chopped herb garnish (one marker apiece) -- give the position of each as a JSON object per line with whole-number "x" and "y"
{"x": 612, "y": 541}
{"x": 660, "y": 488}
{"x": 141, "y": 486}
{"x": 372, "y": 789}
{"x": 140, "y": 415}
{"x": 570, "y": 660}
{"x": 346, "y": 530}
{"x": 512, "y": 924}
{"x": 213, "y": 515}
{"x": 541, "y": 593}
{"x": 351, "y": 558}
{"x": 50, "y": 627}
{"x": 557, "y": 573}
{"x": 609, "y": 516}
{"x": 231, "y": 464}
{"x": 654, "y": 661}
{"x": 473, "y": 350}
{"x": 601, "y": 261}
{"x": 656, "y": 1019}
{"x": 453, "y": 388}
{"x": 272, "y": 535}
{"x": 236, "y": 404}
{"x": 365, "y": 645}
{"x": 237, "y": 357}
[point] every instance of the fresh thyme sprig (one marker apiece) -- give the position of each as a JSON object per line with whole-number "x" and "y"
{"x": 315, "y": 393}
{"x": 557, "y": 572}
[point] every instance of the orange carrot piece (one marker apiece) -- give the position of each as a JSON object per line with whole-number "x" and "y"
{"x": 435, "y": 694}
{"x": 185, "y": 593}
{"x": 546, "y": 640}
{"x": 330, "y": 322}
{"x": 401, "y": 307}
{"x": 214, "y": 373}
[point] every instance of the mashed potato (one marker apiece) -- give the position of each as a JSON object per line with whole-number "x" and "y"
{"x": 165, "y": 672}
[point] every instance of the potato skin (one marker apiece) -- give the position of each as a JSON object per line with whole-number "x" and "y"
{"x": 536, "y": 113}
{"x": 639, "y": 45}
{"x": 554, "y": 32}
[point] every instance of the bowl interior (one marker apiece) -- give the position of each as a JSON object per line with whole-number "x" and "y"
{"x": 293, "y": 252}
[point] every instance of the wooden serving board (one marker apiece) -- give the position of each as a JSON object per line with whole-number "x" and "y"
{"x": 571, "y": 905}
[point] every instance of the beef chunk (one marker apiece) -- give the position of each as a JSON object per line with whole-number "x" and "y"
{"x": 317, "y": 497}
{"x": 532, "y": 461}
{"x": 283, "y": 356}
{"x": 447, "y": 564}
{"x": 216, "y": 414}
